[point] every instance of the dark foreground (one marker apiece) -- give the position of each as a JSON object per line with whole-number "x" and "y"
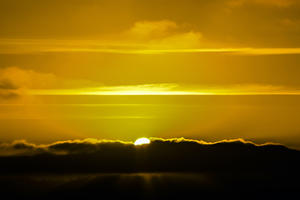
{"x": 164, "y": 169}
{"x": 153, "y": 186}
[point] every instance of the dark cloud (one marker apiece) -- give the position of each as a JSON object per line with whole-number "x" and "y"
{"x": 160, "y": 156}
{"x": 8, "y": 89}
{"x": 8, "y": 94}
{"x": 6, "y": 84}
{"x": 164, "y": 169}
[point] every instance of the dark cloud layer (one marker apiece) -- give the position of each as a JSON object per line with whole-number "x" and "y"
{"x": 164, "y": 169}
{"x": 161, "y": 155}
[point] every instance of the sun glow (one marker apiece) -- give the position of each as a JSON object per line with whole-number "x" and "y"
{"x": 168, "y": 89}
{"x": 142, "y": 141}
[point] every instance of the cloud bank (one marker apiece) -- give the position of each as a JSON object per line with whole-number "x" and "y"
{"x": 161, "y": 155}
{"x": 164, "y": 169}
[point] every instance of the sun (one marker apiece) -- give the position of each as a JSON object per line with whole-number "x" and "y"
{"x": 142, "y": 141}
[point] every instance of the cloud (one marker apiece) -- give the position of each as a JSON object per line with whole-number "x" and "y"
{"x": 6, "y": 84}
{"x": 8, "y": 87}
{"x": 136, "y": 49}
{"x": 149, "y": 30}
{"x": 183, "y": 43}
{"x": 7, "y": 90}
{"x": 113, "y": 168}
{"x": 172, "y": 89}
{"x": 22, "y": 147}
{"x": 142, "y": 36}
{"x": 90, "y": 145}
{"x": 16, "y": 81}
{"x": 164, "y": 34}
{"x": 26, "y": 78}
{"x": 147, "y": 37}
{"x": 181, "y": 154}
{"x": 277, "y": 3}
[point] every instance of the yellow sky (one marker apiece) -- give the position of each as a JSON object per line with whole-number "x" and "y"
{"x": 203, "y": 69}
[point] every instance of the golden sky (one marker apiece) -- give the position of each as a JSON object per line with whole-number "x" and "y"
{"x": 210, "y": 69}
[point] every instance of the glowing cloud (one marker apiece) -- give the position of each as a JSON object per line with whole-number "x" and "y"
{"x": 172, "y": 89}
{"x": 17, "y": 81}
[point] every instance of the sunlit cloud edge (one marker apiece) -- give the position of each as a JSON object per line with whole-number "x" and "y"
{"x": 169, "y": 89}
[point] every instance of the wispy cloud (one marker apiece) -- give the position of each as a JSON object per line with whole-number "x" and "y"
{"x": 18, "y": 81}
{"x": 101, "y": 47}
{"x": 144, "y": 37}
{"x": 173, "y": 89}
{"x": 278, "y": 3}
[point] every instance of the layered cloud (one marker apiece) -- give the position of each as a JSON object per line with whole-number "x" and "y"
{"x": 213, "y": 22}
{"x": 161, "y": 155}
{"x": 22, "y": 147}
{"x": 163, "y": 169}
{"x": 172, "y": 89}
{"x": 90, "y": 145}
{"x": 15, "y": 81}
{"x": 143, "y": 37}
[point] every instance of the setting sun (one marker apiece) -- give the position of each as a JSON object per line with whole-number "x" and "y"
{"x": 150, "y": 99}
{"x": 142, "y": 141}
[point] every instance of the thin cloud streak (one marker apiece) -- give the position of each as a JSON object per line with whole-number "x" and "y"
{"x": 24, "y": 46}
{"x": 20, "y": 82}
{"x": 170, "y": 89}
{"x": 235, "y": 51}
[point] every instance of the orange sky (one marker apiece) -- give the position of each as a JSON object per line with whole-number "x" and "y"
{"x": 213, "y": 69}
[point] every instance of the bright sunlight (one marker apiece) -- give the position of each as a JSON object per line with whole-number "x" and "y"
{"x": 142, "y": 141}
